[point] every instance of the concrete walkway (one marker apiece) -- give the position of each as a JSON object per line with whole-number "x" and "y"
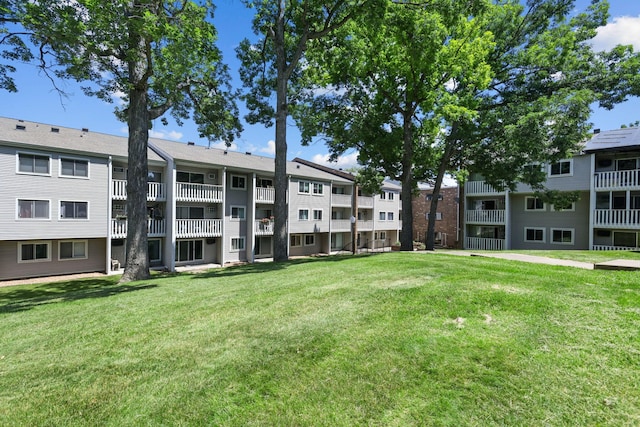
{"x": 617, "y": 264}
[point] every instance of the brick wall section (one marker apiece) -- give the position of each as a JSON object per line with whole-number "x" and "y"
{"x": 448, "y": 225}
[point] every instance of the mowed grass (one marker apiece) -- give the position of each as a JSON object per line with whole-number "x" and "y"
{"x": 395, "y": 339}
{"x": 578, "y": 255}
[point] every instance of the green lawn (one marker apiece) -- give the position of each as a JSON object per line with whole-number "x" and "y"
{"x": 394, "y": 339}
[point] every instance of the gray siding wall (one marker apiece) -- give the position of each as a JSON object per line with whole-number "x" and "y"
{"x": 578, "y": 180}
{"x": 10, "y": 268}
{"x": 309, "y": 201}
{"x": 54, "y": 188}
{"x": 234, "y": 228}
{"x": 548, "y": 219}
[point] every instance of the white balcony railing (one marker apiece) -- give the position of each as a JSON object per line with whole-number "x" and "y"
{"x": 479, "y": 187}
{"x": 364, "y": 225}
{"x": 341, "y": 199}
{"x": 155, "y": 228}
{"x": 264, "y": 228}
{"x": 616, "y": 180}
{"x": 618, "y": 218}
{"x": 265, "y": 195}
{"x": 484, "y": 216}
{"x": 190, "y": 228}
{"x": 340, "y": 225}
{"x": 155, "y": 190}
{"x": 484, "y": 244}
{"x": 188, "y": 192}
{"x": 613, "y": 248}
{"x": 365, "y": 202}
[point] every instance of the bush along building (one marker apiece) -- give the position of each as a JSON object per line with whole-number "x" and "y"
{"x": 64, "y": 205}
{"x": 606, "y": 175}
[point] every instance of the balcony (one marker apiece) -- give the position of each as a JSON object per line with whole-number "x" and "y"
{"x": 341, "y": 200}
{"x": 155, "y": 228}
{"x": 340, "y": 225}
{"x": 192, "y": 228}
{"x": 617, "y": 218}
{"x": 204, "y": 193}
{"x": 617, "y": 180}
{"x": 484, "y": 244}
{"x": 265, "y": 195}
{"x": 613, "y": 248}
{"x": 155, "y": 190}
{"x": 365, "y": 202}
{"x": 364, "y": 225}
{"x": 479, "y": 188}
{"x": 264, "y": 228}
{"x": 495, "y": 216}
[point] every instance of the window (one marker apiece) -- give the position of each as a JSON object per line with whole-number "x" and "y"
{"x": 317, "y": 214}
{"x": 295, "y": 240}
{"x": 564, "y": 207}
{"x": 34, "y": 252}
{"x": 438, "y": 216}
{"x": 303, "y": 214}
{"x": 35, "y": 209}
{"x": 74, "y": 210}
{"x": 190, "y": 177}
{"x": 534, "y": 235}
{"x": 309, "y": 239}
{"x": 318, "y": 188}
{"x": 389, "y": 216}
{"x": 264, "y": 183}
{"x": 238, "y": 212}
{"x": 189, "y": 250}
{"x": 562, "y": 167}
{"x": 155, "y": 250}
{"x": 625, "y": 239}
{"x": 238, "y": 182}
{"x": 33, "y": 163}
{"x": 189, "y": 212}
{"x": 74, "y": 168}
{"x": 237, "y": 244}
{"x": 383, "y": 195}
{"x": 391, "y": 196}
{"x": 304, "y": 187}
{"x": 430, "y": 196}
{"x": 626, "y": 164}
{"x": 72, "y": 249}
{"x": 533, "y": 204}
{"x": 383, "y": 216}
{"x": 562, "y": 236}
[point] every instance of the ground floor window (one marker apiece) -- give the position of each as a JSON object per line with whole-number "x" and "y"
{"x": 72, "y": 249}
{"x": 309, "y": 239}
{"x": 189, "y": 250}
{"x": 534, "y": 234}
{"x": 562, "y": 236}
{"x": 34, "y": 252}
{"x": 337, "y": 241}
{"x": 295, "y": 240}
{"x": 155, "y": 248}
{"x": 237, "y": 244}
{"x": 625, "y": 239}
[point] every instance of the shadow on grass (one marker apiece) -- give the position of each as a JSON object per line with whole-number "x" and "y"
{"x": 27, "y": 297}
{"x": 264, "y": 267}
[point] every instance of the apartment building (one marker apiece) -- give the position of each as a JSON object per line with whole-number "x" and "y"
{"x": 606, "y": 175}
{"x": 64, "y": 207}
{"x": 447, "y": 221}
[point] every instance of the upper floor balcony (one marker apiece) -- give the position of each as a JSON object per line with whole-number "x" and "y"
{"x": 194, "y": 228}
{"x": 617, "y": 180}
{"x": 203, "y": 193}
{"x": 617, "y": 218}
{"x": 495, "y": 216}
{"x": 365, "y": 225}
{"x": 480, "y": 188}
{"x": 155, "y": 228}
{"x": 264, "y": 227}
{"x": 340, "y": 225}
{"x": 155, "y": 190}
{"x": 365, "y": 202}
{"x": 341, "y": 200}
{"x": 265, "y": 195}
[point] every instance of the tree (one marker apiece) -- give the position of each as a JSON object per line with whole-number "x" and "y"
{"x": 274, "y": 63}
{"x": 12, "y": 41}
{"x": 161, "y": 55}
{"x": 390, "y": 71}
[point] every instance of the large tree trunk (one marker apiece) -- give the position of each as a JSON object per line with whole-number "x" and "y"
{"x": 137, "y": 264}
{"x": 280, "y": 238}
{"x": 406, "y": 234}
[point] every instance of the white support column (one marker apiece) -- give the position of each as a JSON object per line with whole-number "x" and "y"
{"x": 592, "y": 199}
{"x": 108, "y": 268}
{"x": 507, "y": 219}
{"x": 223, "y": 239}
{"x": 170, "y": 214}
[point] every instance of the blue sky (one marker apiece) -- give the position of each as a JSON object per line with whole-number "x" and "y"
{"x": 37, "y": 101}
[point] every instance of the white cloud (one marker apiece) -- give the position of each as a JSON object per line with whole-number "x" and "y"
{"x": 622, "y": 30}
{"x": 164, "y": 134}
{"x": 221, "y": 145}
{"x": 270, "y": 149}
{"x": 343, "y": 162}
